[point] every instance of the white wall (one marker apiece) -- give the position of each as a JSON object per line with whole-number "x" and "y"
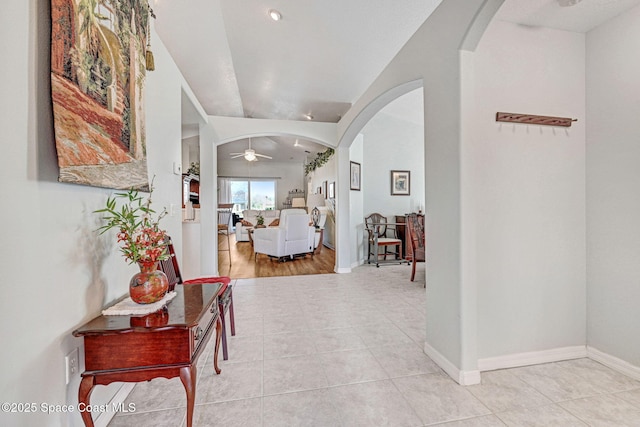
{"x": 613, "y": 180}
{"x": 390, "y": 144}
{"x": 57, "y": 272}
{"x": 529, "y": 191}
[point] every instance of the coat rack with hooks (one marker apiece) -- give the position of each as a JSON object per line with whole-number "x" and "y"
{"x": 532, "y": 119}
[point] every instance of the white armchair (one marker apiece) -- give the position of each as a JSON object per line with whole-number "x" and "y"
{"x": 293, "y": 236}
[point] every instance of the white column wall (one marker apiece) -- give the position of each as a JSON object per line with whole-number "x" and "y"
{"x": 528, "y": 190}
{"x": 613, "y": 180}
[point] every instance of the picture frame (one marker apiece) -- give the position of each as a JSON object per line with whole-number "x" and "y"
{"x": 355, "y": 175}
{"x": 332, "y": 190}
{"x": 400, "y": 183}
{"x": 324, "y": 189}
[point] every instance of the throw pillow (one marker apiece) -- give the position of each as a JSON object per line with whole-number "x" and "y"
{"x": 246, "y": 223}
{"x": 275, "y": 223}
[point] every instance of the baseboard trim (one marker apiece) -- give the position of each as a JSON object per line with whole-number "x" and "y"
{"x": 104, "y": 418}
{"x": 461, "y": 377}
{"x": 614, "y": 363}
{"x": 532, "y": 358}
{"x": 342, "y": 270}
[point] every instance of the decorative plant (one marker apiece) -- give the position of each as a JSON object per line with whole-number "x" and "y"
{"x": 318, "y": 161}
{"x": 260, "y": 220}
{"x": 141, "y": 238}
{"x": 194, "y": 168}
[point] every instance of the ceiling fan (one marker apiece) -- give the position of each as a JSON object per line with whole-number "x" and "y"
{"x": 249, "y": 154}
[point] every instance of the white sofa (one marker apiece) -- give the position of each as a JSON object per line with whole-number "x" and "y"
{"x": 251, "y": 216}
{"x": 293, "y": 236}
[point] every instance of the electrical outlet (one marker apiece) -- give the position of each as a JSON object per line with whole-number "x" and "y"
{"x": 71, "y": 364}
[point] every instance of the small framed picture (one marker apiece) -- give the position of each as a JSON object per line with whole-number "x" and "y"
{"x": 332, "y": 190}
{"x": 324, "y": 189}
{"x": 355, "y": 176}
{"x": 400, "y": 183}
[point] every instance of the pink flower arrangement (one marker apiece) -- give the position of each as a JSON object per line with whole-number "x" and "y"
{"x": 139, "y": 234}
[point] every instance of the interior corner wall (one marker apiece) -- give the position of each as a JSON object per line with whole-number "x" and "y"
{"x": 398, "y": 145}
{"x": 529, "y": 191}
{"x": 58, "y": 272}
{"x": 613, "y": 180}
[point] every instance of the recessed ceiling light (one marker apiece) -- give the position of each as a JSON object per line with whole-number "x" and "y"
{"x": 275, "y": 15}
{"x": 309, "y": 116}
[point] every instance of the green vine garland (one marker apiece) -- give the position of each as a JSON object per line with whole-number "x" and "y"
{"x": 318, "y": 161}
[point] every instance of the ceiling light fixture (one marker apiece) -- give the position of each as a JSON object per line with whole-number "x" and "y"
{"x": 250, "y": 155}
{"x": 296, "y": 144}
{"x": 275, "y": 15}
{"x": 567, "y": 3}
{"x": 309, "y": 116}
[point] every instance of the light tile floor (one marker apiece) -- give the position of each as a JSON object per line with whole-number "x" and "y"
{"x": 346, "y": 350}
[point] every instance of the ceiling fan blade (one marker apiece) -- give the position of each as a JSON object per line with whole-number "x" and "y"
{"x": 236, "y": 155}
{"x": 262, "y": 155}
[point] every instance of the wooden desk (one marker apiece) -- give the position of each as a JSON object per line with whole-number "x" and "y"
{"x": 166, "y": 344}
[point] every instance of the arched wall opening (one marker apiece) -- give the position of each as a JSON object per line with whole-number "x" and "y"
{"x": 387, "y": 144}
{"x": 276, "y": 139}
{"x": 437, "y": 56}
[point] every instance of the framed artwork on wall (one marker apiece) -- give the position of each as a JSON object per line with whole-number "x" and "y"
{"x": 355, "y": 176}
{"x": 332, "y": 190}
{"x": 324, "y": 189}
{"x": 98, "y": 71}
{"x": 400, "y": 183}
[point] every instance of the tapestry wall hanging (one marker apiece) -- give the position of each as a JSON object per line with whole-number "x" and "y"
{"x": 97, "y": 81}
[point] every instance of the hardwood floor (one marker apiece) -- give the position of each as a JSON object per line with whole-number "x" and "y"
{"x": 245, "y": 266}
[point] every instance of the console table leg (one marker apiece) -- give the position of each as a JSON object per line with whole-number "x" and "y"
{"x": 232, "y": 321}
{"x": 84, "y": 393}
{"x": 215, "y": 352}
{"x": 225, "y": 354}
{"x": 188, "y": 378}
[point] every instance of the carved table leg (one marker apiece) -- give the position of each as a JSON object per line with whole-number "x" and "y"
{"x": 215, "y": 352}
{"x": 188, "y": 378}
{"x": 84, "y": 393}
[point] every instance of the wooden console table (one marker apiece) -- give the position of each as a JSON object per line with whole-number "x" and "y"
{"x": 166, "y": 344}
